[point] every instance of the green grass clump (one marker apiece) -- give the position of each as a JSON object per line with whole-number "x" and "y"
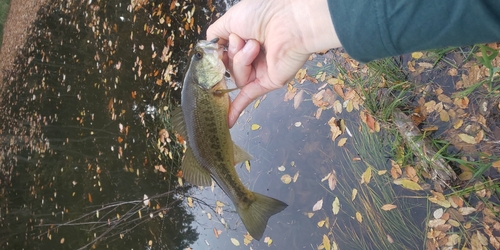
{"x": 4, "y": 11}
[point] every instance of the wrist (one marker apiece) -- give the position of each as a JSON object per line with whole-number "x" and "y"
{"x": 316, "y": 25}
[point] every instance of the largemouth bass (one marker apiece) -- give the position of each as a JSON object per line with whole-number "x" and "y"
{"x": 211, "y": 153}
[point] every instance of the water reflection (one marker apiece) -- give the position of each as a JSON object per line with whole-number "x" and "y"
{"x": 80, "y": 140}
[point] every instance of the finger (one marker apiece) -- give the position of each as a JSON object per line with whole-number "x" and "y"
{"x": 220, "y": 29}
{"x": 247, "y": 95}
{"x": 235, "y": 45}
{"x": 243, "y": 70}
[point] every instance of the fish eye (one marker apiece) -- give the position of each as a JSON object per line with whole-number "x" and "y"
{"x": 198, "y": 55}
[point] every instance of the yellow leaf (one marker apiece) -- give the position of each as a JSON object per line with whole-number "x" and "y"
{"x": 190, "y": 202}
{"x": 408, "y": 184}
{"x": 256, "y": 104}
{"x": 219, "y": 204}
{"x": 496, "y": 165}
{"x": 467, "y": 138}
{"x": 388, "y": 207}
{"x": 359, "y": 217}
{"x": 443, "y": 203}
{"x": 268, "y": 240}
{"x": 458, "y": 124}
{"x": 286, "y": 178}
{"x": 295, "y": 176}
{"x": 354, "y": 193}
{"x": 417, "y": 55}
{"x": 342, "y": 142}
{"x": 443, "y": 114}
{"x": 465, "y": 176}
{"x": 326, "y": 242}
{"x": 336, "y": 206}
{"x": 366, "y": 176}
{"x": 381, "y": 172}
{"x": 235, "y": 242}
{"x": 247, "y": 238}
{"x": 321, "y": 223}
{"x": 255, "y": 126}
{"x": 247, "y": 165}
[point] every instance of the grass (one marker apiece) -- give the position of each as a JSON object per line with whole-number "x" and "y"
{"x": 4, "y": 11}
{"x": 379, "y": 229}
{"x": 384, "y": 86}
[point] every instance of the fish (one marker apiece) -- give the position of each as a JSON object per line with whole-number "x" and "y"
{"x": 202, "y": 120}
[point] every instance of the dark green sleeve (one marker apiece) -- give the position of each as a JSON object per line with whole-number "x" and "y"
{"x": 372, "y": 29}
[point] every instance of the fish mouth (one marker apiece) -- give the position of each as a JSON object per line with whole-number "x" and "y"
{"x": 215, "y": 40}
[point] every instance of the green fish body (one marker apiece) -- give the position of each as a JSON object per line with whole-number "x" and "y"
{"x": 210, "y": 152}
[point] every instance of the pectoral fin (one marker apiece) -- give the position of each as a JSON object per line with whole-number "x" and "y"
{"x": 193, "y": 172}
{"x": 177, "y": 121}
{"x": 240, "y": 155}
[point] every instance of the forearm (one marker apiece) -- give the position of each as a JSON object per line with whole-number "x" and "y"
{"x": 380, "y": 28}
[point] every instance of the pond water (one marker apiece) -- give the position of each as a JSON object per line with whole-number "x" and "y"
{"x": 82, "y": 120}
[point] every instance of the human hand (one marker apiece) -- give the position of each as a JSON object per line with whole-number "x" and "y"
{"x": 280, "y": 36}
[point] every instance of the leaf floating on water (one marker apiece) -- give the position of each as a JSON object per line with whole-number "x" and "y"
{"x": 235, "y": 242}
{"x": 247, "y": 165}
{"x": 281, "y": 168}
{"x": 256, "y": 104}
{"x": 286, "y": 178}
{"x": 326, "y": 242}
{"x": 408, "y": 184}
{"x": 190, "y": 201}
{"x": 332, "y": 180}
{"x": 467, "y": 138}
{"x": 366, "y": 176}
{"x": 255, "y": 126}
{"x": 295, "y": 177}
{"x": 381, "y": 172}
{"x": 298, "y": 98}
{"x": 145, "y": 200}
{"x": 247, "y": 238}
{"x": 466, "y": 210}
{"x": 321, "y": 223}
{"x": 445, "y": 117}
{"x": 334, "y": 128}
{"x": 342, "y": 142}
{"x": 219, "y": 204}
{"x": 354, "y": 193}
{"x": 388, "y": 207}
{"x": 359, "y": 217}
{"x": 268, "y": 240}
{"x": 336, "y": 206}
{"x": 217, "y": 232}
{"x": 318, "y": 205}
{"x": 438, "y": 213}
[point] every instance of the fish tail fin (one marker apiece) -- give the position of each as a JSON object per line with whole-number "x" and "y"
{"x": 256, "y": 214}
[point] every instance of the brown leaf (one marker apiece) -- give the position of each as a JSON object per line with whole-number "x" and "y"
{"x": 388, "y": 207}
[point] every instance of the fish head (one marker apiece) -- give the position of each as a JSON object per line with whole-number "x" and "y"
{"x": 207, "y": 64}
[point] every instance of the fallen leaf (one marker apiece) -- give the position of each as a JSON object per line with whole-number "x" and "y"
{"x": 190, "y": 201}
{"x": 366, "y": 176}
{"x": 235, "y": 242}
{"x": 247, "y": 165}
{"x": 438, "y": 213}
{"x": 388, "y": 207}
{"x": 417, "y": 55}
{"x": 281, "y": 168}
{"x": 334, "y": 128}
{"x": 467, "y": 138}
{"x": 408, "y": 184}
{"x": 466, "y": 210}
{"x": 332, "y": 180}
{"x": 256, "y": 104}
{"x": 295, "y": 177}
{"x": 286, "y": 178}
{"x": 268, "y": 240}
{"x": 342, "y": 142}
{"x": 359, "y": 217}
{"x": 318, "y": 205}
{"x": 444, "y": 116}
{"x": 321, "y": 223}
{"x": 354, "y": 193}
{"x": 298, "y": 98}
{"x": 255, "y": 126}
{"x": 336, "y": 206}
{"x": 326, "y": 242}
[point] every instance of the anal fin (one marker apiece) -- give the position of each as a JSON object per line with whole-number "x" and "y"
{"x": 240, "y": 155}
